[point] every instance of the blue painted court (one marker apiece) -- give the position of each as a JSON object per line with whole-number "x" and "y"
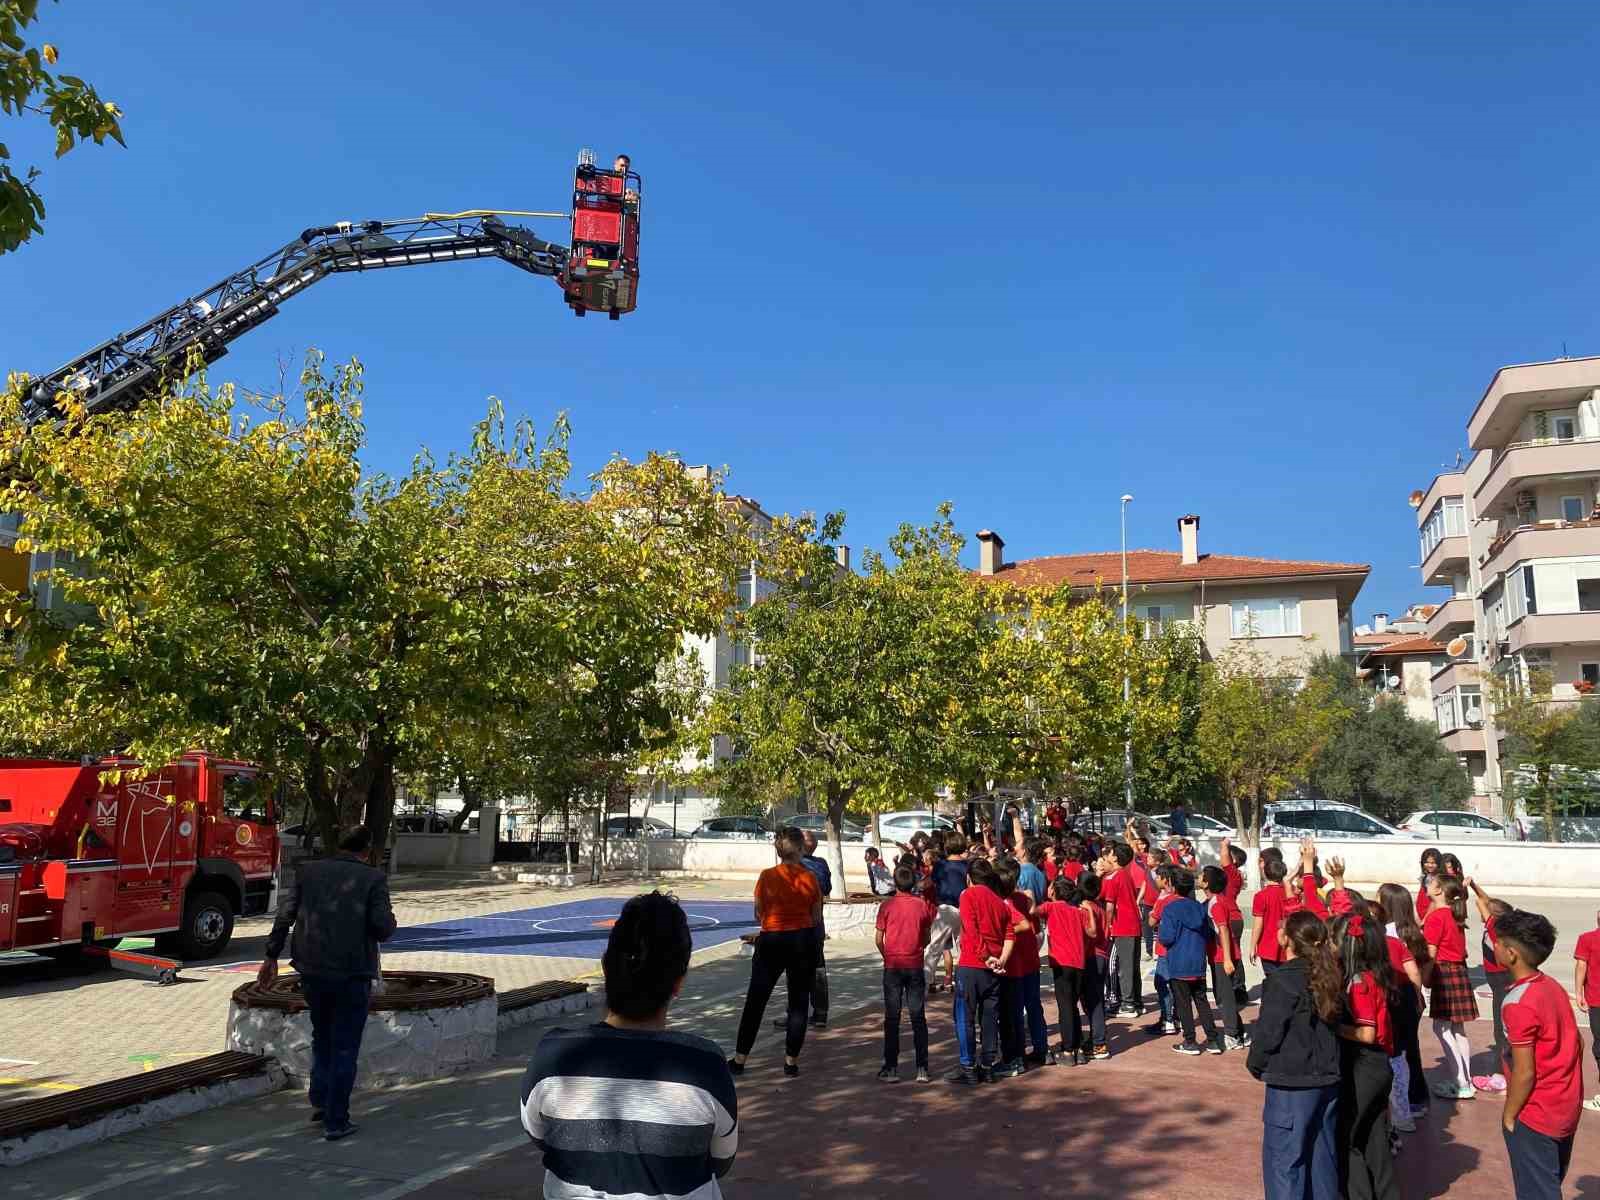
{"x": 575, "y": 930}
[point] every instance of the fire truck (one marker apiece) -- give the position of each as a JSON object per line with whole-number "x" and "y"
{"x": 91, "y": 853}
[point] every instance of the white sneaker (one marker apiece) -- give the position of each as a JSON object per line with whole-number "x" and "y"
{"x": 1593, "y": 1103}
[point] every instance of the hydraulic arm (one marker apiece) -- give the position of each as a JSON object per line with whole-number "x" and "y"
{"x": 120, "y": 372}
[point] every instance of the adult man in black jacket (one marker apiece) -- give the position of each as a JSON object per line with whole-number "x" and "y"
{"x": 339, "y": 910}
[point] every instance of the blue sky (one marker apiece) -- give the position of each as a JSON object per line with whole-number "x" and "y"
{"x": 1252, "y": 261}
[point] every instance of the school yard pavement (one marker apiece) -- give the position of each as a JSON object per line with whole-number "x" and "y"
{"x": 1144, "y": 1122}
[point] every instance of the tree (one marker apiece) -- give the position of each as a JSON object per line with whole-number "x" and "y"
{"x": 1259, "y": 731}
{"x": 862, "y": 686}
{"x": 1546, "y": 741}
{"x": 255, "y": 593}
{"x": 1382, "y": 759}
{"x": 72, "y": 107}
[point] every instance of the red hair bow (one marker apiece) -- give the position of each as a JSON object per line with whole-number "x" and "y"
{"x": 1354, "y": 926}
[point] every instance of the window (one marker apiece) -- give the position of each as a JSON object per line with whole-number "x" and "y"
{"x": 244, "y": 796}
{"x": 1266, "y": 618}
{"x": 1153, "y": 618}
{"x": 1590, "y": 673}
{"x": 1566, "y": 428}
{"x": 1448, "y": 518}
{"x": 1572, "y": 508}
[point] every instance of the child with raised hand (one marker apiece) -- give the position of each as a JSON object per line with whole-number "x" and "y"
{"x": 1267, "y": 910}
{"x": 1226, "y": 966}
{"x": 1295, "y": 1052}
{"x": 1490, "y": 910}
{"x": 1452, "y": 1003}
{"x": 1408, "y": 960}
{"x": 1429, "y": 866}
{"x": 1544, "y": 1086}
{"x": 1366, "y": 1039}
{"x": 1069, "y": 921}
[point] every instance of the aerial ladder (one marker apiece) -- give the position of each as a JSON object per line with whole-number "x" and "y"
{"x": 598, "y": 272}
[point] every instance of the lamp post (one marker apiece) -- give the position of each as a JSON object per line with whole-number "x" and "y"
{"x": 1127, "y": 719}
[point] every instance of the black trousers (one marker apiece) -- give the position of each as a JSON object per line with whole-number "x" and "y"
{"x": 1093, "y": 997}
{"x": 1408, "y": 1038}
{"x": 1499, "y": 984}
{"x": 909, "y": 989}
{"x": 1186, "y": 995}
{"x": 980, "y": 993}
{"x": 1069, "y": 984}
{"x": 1228, "y": 999}
{"x": 792, "y": 953}
{"x": 1366, "y": 1165}
{"x": 819, "y": 985}
{"x": 1241, "y": 994}
{"x": 1128, "y": 969}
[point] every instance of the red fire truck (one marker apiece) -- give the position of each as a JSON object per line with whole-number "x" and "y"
{"x": 178, "y": 854}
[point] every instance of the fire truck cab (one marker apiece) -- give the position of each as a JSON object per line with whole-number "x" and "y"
{"x": 178, "y": 854}
{"x": 602, "y": 272}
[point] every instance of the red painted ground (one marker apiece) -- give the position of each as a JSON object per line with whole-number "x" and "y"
{"x": 1144, "y": 1123}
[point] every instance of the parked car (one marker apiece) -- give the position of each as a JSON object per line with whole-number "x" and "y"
{"x": 1323, "y": 819}
{"x": 747, "y": 829}
{"x": 1200, "y": 825}
{"x": 630, "y": 828}
{"x": 431, "y": 822}
{"x": 900, "y": 826}
{"x": 817, "y": 823}
{"x": 1444, "y": 824}
{"x": 1108, "y": 822}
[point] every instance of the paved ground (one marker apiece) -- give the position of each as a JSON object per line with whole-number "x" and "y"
{"x": 835, "y": 1126}
{"x": 63, "y": 1028}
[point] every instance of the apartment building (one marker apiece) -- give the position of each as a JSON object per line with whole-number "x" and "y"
{"x": 1402, "y": 666}
{"x": 1285, "y": 610}
{"x": 1514, "y": 535}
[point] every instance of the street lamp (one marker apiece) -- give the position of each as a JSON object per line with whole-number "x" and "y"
{"x": 1127, "y": 719}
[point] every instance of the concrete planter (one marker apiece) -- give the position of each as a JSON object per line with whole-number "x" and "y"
{"x": 422, "y": 1026}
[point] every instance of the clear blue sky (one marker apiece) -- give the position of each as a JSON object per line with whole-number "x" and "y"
{"x": 1252, "y": 261}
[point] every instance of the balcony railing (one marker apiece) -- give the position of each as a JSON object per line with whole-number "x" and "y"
{"x": 1537, "y": 459}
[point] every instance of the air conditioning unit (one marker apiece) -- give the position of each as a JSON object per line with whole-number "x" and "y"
{"x": 1474, "y": 716}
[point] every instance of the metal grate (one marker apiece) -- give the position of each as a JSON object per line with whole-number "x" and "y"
{"x": 526, "y": 997}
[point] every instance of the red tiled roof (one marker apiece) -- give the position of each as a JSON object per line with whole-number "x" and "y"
{"x": 1158, "y": 566}
{"x": 1410, "y": 646}
{"x": 1371, "y": 640}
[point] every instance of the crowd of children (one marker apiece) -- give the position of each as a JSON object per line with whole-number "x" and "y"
{"x": 1348, "y": 980}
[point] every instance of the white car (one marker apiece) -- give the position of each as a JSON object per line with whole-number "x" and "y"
{"x": 1446, "y": 824}
{"x": 1323, "y": 820}
{"x": 900, "y": 826}
{"x": 1200, "y": 826}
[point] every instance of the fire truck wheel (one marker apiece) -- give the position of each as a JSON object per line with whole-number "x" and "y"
{"x": 207, "y": 926}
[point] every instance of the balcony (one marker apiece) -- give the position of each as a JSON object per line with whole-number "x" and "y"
{"x": 1447, "y": 559}
{"x": 1463, "y": 740}
{"x": 1454, "y": 616}
{"x": 1449, "y": 483}
{"x": 1523, "y": 464}
{"x": 1544, "y": 539}
{"x": 1516, "y": 391}
{"x": 1454, "y": 673}
{"x": 1554, "y": 629}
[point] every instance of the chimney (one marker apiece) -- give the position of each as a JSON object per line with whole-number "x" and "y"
{"x": 841, "y": 555}
{"x": 1189, "y": 534}
{"x": 1380, "y": 622}
{"x": 991, "y": 552}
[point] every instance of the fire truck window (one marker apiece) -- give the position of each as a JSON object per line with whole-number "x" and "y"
{"x": 245, "y": 797}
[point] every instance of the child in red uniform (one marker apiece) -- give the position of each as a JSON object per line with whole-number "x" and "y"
{"x": 1233, "y": 864}
{"x": 1453, "y": 1003}
{"x": 1498, "y": 979}
{"x": 985, "y": 931}
{"x": 1408, "y": 956}
{"x": 1225, "y": 964}
{"x": 1586, "y": 988}
{"x": 1122, "y": 911}
{"x": 904, "y": 922}
{"x": 1069, "y": 920}
{"x": 1018, "y": 968}
{"x": 1366, "y": 1046}
{"x": 1267, "y": 912}
{"x": 1544, "y": 1085}
{"x": 1430, "y": 868}
{"x": 1096, "y": 963}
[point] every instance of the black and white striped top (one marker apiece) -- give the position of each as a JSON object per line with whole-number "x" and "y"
{"x": 630, "y": 1113}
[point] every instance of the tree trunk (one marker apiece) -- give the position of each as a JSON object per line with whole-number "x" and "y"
{"x": 1547, "y": 805}
{"x": 378, "y": 767}
{"x": 1247, "y": 831}
{"x": 838, "y": 800}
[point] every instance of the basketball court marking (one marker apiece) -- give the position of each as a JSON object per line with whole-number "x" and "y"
{"x": 577, "y": 929}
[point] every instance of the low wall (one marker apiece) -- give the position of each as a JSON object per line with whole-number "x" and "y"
{"x": 714, "y": 856}
{"x": 466, "y": 849}
{"x": 1498, "y": 866}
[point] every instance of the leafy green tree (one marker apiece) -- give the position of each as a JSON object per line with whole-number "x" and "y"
{"x": 862, "y": 689}
{"x": 1260, "y": 731}
{"x": 1546, "y": 742}
{"x": 255, "y": 593}
{"x": 28, "y": 88}
{"x": 1382, "y": 759}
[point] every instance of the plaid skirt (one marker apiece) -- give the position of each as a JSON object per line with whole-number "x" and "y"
{"x": 1452, "y": 998}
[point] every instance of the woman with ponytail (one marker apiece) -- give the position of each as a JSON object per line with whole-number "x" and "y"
{"x": 1366, "y": 1043}
{"x": 1452, "y": 1002}
{"x": 1409, "y": 961}
{"x": 1295, "y": 1052}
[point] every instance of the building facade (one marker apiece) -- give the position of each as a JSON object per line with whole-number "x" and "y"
{"x": 1514, "y": 535}
{"x": 1286, "y": 611}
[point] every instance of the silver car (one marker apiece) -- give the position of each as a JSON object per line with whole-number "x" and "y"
{"x": 1324, "y": 820}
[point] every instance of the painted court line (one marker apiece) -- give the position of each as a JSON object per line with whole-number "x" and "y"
{"x": 417, "y": 1183}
